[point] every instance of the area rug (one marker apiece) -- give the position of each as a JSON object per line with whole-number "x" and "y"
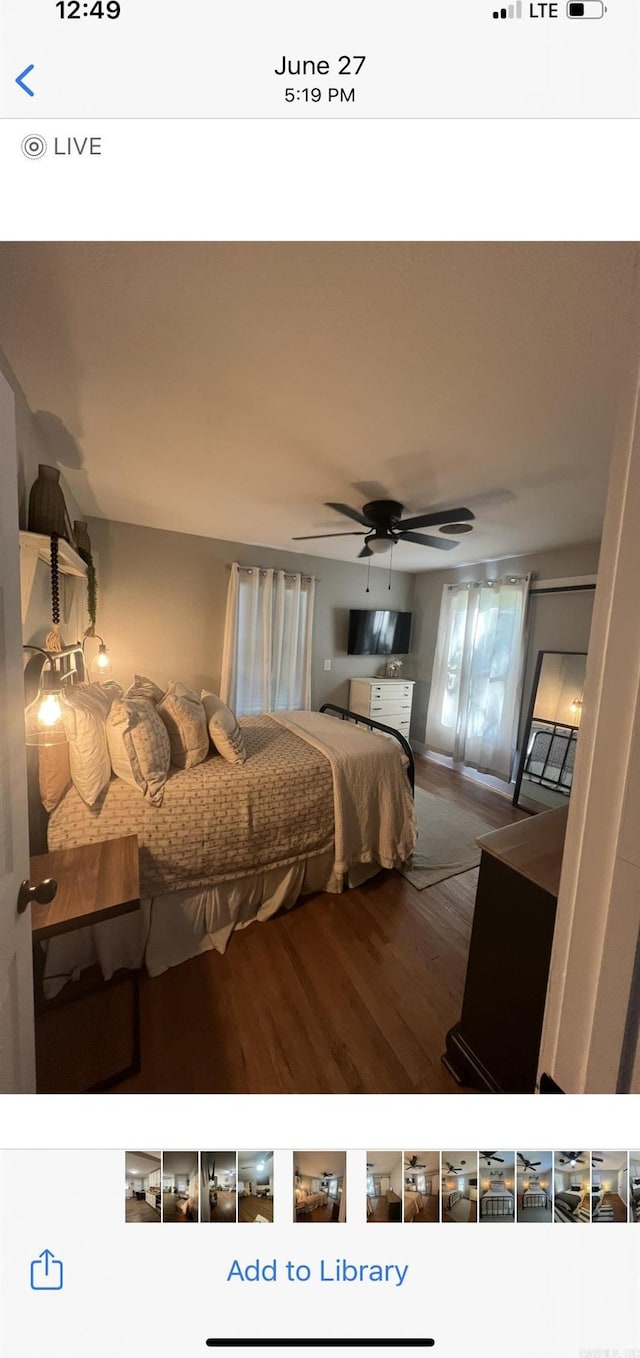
{"x": 446, "y": 840}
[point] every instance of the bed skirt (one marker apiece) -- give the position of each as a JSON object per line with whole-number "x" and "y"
{"x": 169, "y": 929}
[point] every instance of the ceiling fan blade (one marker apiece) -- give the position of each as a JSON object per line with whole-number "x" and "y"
{"x": 366, "y": 551}
{"x": 350, "y": 513}
{"x": 308, "y": 537}
{"x": 443, "y": 544}
{"x": 430, "y": 520}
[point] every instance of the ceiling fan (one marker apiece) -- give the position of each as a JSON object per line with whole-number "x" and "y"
{"x": 572, "y": 1158}
{"x": 413, "y": 1163}
{"x": 597, "y": 1159}
{"x": 384, "y": 526}
{"x": 453, "y": 1169}
{"x": 529, "y": 1164}
{"x": 491, "y": 1155}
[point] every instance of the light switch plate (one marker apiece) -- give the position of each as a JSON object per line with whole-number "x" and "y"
{"x": 327, "y": 664}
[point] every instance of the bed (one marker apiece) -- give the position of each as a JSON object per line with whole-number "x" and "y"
{"x": 319, "y": 805}
{"x": 307, "y": 1199}
{"x": 566, "y": 1205}
{"x": 534, "y": 1197}
{"x": 498, "y": 1201}
{"x": 413, "y": 1204}
{"x": 450, "y": 1199}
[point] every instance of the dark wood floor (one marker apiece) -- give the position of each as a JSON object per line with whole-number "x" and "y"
{"x": 431, "y": 1209}
{"x": 343, "y": 994}
{"x": 250, "y": 1207}
{"x": 619, "y": 1208}
{"x": 224, "y": 1209}
{"x": 381, "y": 1208}
{"x": 138, "y": 1209}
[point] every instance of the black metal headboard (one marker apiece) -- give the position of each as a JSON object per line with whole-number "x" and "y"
{"x": 346, "y": 715}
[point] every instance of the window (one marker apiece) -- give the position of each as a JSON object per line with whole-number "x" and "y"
{"x": 266, "y": 661}
{"x": 477, "y": 673}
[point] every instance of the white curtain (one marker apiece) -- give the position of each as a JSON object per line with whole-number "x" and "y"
{"x": 477, "y": 674}
{"x": 266, "y": 656}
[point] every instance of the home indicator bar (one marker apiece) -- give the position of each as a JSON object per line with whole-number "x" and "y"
{"x": 321, "y": 1343}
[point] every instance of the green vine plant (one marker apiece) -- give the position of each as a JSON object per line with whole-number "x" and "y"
{"x": 92, "y": 587}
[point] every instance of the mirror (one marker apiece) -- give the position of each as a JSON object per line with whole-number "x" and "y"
{"x": 550, "y": 736}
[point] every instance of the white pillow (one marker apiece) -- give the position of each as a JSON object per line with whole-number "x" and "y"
{"x": 85, "y": 708}
{"x": 183, "y": 715}
{"x": 139, "y": 748}
{"x": 223, "y": 729}
{"x": 144, "y": 688}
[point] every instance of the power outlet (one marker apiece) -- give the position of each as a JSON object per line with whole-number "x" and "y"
{"x": 327, "y": 664}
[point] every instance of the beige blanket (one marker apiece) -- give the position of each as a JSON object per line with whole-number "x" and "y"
{"x": 374, "y": 815}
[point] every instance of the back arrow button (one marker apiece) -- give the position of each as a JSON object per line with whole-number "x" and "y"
{"x": 20, "y": 79}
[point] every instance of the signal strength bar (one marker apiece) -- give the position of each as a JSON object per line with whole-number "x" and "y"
{"x": 509, "y": 11}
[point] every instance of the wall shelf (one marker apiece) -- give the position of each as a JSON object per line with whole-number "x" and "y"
{"x": 35, "y": 547}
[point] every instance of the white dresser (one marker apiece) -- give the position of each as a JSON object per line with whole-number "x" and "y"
{"x": 386, "y": 700}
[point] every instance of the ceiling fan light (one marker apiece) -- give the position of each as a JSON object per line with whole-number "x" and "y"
{"x": 379, "y": 545}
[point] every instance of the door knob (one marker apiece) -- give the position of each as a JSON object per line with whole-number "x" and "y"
{"x": 43, "y": 893}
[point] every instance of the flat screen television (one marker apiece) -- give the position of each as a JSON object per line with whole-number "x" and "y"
{"x": 378, "y": 631}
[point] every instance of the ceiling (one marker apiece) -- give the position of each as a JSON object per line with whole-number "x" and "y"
{"x": 613, "y": 1162}
{"x": 315, "y": 1164}
{"x": 383, "y": 1162}
{"x": 507, "y": 1158}
{"x": 248, "y": 1161}
{"x": 141, "y": 1163}
{"x": 230, "y": 389}
{"x": 180, "y": 1162}
{"x": 225, "y": 1161}
{"x": 429, "y": 1159}
{"x": 545, "y": 1158}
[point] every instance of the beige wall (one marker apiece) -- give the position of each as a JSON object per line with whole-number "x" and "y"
{"x": 161, "y": 605}
{"x": 567, "y": 618}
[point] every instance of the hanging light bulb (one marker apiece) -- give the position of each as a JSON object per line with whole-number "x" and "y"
{"x": 43, "y": 717}
{"x": 103, "y": 659}
{"x": 101, "y": 663}
{"x": 49, "y": 711}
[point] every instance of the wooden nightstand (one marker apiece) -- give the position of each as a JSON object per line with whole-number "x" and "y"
{"x": 95, "y": 882}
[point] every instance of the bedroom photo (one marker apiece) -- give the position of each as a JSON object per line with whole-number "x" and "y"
{"x": 384, "y": 1186}
{"x": 307, "y": 634}
{"x": 497, "y": 1186}
{"x": 459, "y": 1178}
{"x": 534, "y": 1178}
{"x": 319, "y": 1186}
{"x": 218, "y": 1186}
{"x": 609, "y": 1186}
{"x": 571, "y": 1186}
{"x": 421, "y": 1186}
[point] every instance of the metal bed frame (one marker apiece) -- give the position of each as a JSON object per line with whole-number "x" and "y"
{"x": 346, "y": 715}
{"x": 534, "y": 1199}
{"x": 497, "y": 1207}
{"x": 558, "y": 737}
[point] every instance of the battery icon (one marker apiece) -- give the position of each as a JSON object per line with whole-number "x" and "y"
{"x": 586, "y": 9}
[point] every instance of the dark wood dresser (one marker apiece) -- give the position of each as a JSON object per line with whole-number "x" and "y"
{"x": 495, "y": 1045}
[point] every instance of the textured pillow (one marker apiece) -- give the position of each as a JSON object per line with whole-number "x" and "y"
{"x": 183, "y": 715}
{"x": 223, "y": 729}
{"x": 54, "y": 774}
{"x": 85, "y": 708}
{"x": 139, "y": 747}
{"x": 144, "y": 688}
